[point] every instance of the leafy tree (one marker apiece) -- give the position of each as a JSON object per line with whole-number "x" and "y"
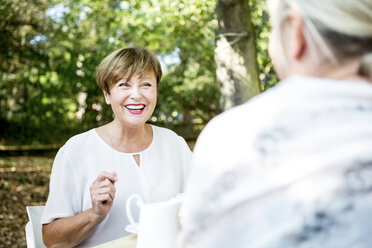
{"x": 49, "y": 52}
{"x": 24, "y": 69}
{"x": 261, "y": 23}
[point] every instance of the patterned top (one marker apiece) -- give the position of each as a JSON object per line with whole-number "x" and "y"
{"x": 290, "y": 168}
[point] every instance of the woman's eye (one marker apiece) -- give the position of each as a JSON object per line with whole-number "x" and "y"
{"x": 124, "y": 85}
{"x": 146, "y": 84}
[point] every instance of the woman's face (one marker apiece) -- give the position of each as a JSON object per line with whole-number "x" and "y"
{"x": 133, "y": 101}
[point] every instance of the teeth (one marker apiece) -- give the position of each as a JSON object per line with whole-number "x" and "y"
{"x": 135, "y": 107}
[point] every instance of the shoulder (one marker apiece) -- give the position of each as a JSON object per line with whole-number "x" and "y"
{"x": 231, "y": 124}
{"x": 231, "y": 134}
{"x": 166, "y": 138}
{"x": 80, "y": 141}
{"x": 165, "y": 133}
{"x": 76, "y": 150}
{"x": 242, "y": 121}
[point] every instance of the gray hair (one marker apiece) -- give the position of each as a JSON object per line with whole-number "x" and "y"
{"x": 339, "y": 29}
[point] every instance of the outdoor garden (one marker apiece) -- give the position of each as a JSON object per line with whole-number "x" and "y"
{"x": 49, "y": 51}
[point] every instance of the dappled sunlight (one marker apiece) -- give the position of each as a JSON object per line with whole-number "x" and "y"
{"x": 226, "y": 55}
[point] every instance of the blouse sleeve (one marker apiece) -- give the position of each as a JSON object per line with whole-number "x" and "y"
{"x": 186, "y": 158}
{"x": 64, "y": 191}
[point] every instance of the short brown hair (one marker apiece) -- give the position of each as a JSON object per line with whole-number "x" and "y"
{"x": 126, "y": 60}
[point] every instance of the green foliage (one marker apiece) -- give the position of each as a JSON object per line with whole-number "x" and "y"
{"x": 49, "y": 51}
{"x": 260, "y": 20}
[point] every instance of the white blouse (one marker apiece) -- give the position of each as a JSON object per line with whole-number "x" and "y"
{"x": 161, "y": 175}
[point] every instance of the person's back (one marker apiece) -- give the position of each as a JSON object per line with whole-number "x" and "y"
{"x": 293, "y": 167}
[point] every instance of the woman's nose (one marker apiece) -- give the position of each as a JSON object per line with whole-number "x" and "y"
{"x": 135, "y": 92}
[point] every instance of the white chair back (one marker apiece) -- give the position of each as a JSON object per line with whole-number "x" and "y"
{"x": 33, "y": 227}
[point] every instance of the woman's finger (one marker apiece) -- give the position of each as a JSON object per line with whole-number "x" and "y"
{"x": 112, "y": 176}
{"x": 104, "y": 190}
{"x": 103, "y": 198}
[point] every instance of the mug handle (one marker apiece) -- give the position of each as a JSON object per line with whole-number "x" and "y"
{"x": 128, "y": 207}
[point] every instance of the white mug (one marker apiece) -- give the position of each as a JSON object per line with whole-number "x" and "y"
{"x": 158, "y": 225}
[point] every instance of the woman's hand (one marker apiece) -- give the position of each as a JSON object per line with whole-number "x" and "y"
{"x": 102, "y": 193}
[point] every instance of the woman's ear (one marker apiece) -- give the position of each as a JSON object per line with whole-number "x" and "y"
{"x": 297, "y": 38}
{"x": 107, "y": 97}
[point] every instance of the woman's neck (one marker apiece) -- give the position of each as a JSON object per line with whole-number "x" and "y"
{"x": 126, "y": 139}
{"x": 347, "y": 70}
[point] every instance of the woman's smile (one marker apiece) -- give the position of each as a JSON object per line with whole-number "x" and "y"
{"x": 136, "y": 109}
{"x": 133, "y": 101}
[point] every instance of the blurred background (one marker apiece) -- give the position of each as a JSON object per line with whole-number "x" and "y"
{"x": 49, "y": 51}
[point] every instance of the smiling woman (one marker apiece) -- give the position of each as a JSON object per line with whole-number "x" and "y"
{"x": 133, "y": 100}
{"x": 86, "y": 203}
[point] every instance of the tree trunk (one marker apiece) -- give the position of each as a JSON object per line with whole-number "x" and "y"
{"x": 235, "y": 53}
